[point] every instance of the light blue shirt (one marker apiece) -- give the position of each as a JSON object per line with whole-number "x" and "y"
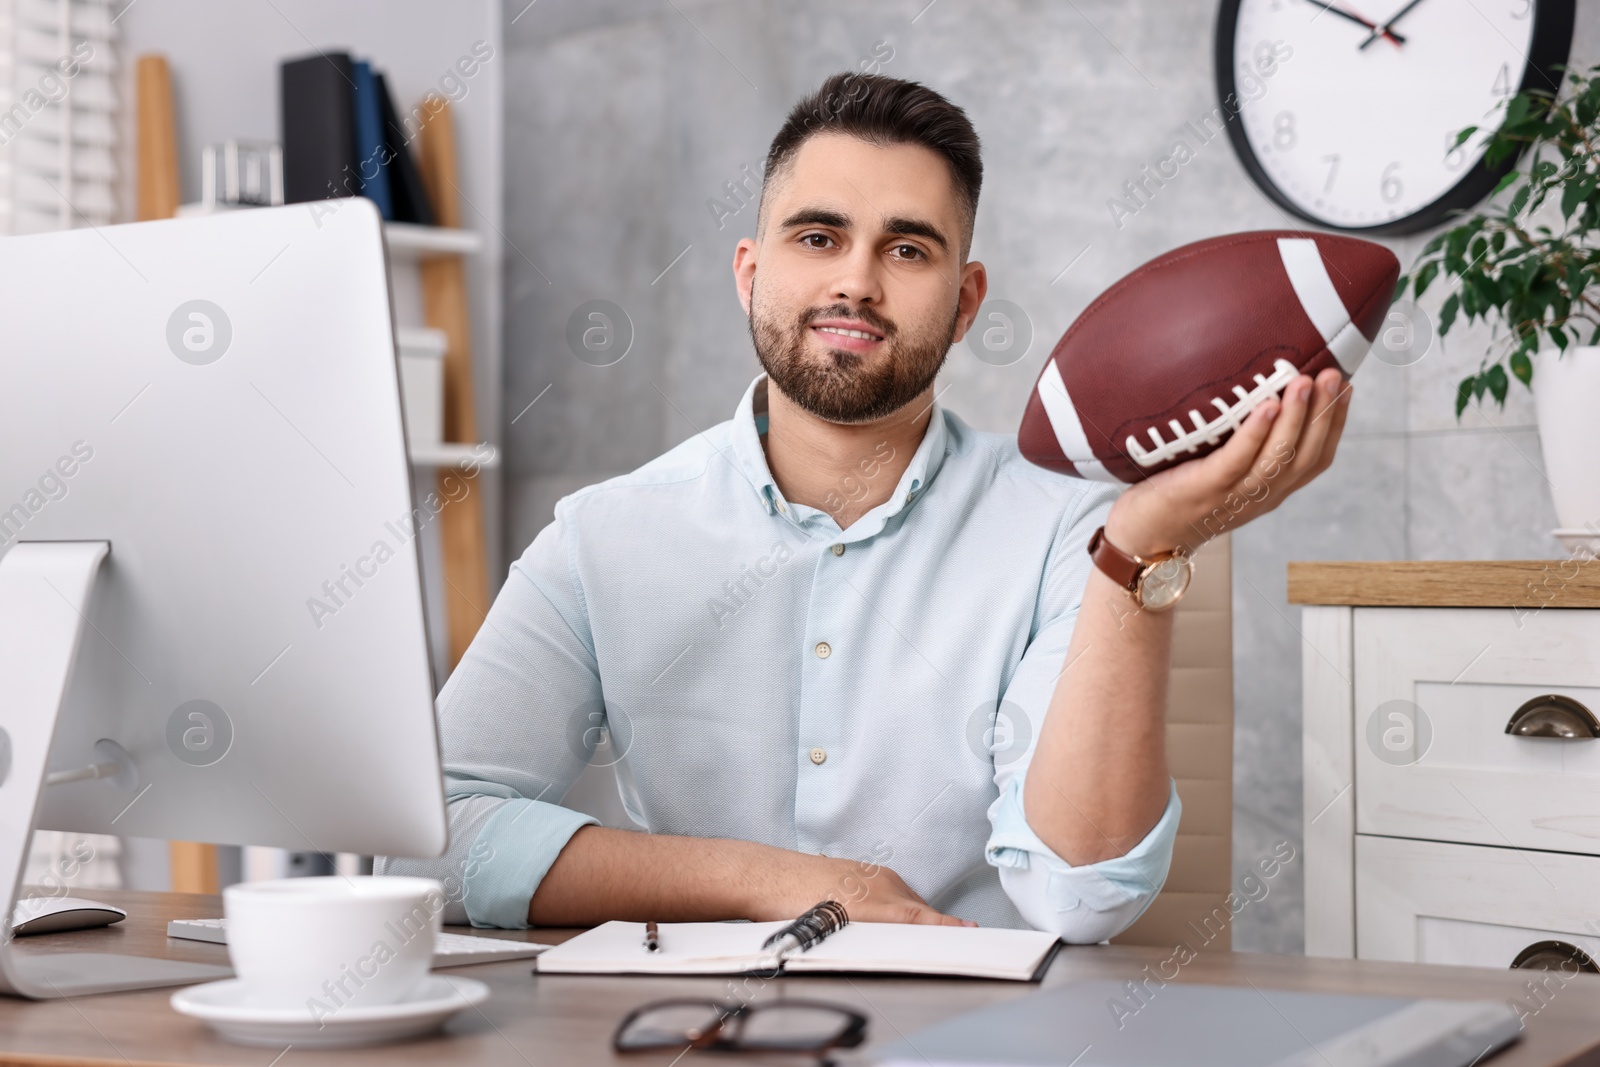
{"x": 872, "y": 693}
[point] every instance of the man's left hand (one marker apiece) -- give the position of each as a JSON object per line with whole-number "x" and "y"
{"x": 1280, "y": 447}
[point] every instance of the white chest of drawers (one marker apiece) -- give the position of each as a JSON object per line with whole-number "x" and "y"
{"x": 1437, "y": 829}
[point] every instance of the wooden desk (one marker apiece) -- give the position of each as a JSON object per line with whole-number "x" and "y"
{"x": 553, "y": 1020}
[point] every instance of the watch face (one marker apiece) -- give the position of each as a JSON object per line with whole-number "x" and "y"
{"x": 1355, "y": 129}
{"x": 1165, "y": 582}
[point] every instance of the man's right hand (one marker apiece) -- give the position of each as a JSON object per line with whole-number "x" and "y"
{"x": 870, "y": 892}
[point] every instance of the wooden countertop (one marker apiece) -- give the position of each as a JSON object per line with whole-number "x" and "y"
{"x": 1524, "y": 584}
{"x": 568, "y": 1019}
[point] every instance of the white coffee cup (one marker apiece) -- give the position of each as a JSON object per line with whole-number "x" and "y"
{"x": 325, "y": 944}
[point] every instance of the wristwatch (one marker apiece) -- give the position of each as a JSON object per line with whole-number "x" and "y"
{"x": 1156, "y": 583}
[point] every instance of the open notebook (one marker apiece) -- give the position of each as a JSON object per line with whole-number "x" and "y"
{"x": 874, "y": 948}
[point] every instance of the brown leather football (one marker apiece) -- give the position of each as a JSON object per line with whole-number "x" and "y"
{"x": 1166, "y": 363}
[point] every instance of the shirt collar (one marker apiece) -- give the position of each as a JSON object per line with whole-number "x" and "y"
{"x": 750, "y": 420}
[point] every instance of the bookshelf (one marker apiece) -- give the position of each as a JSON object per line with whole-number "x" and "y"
{"x": 408, "y": 246}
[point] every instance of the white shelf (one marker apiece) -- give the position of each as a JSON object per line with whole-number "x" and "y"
{"x": 403, "y": 238}
{"x": 407, "y": 239}
{"x": 450, "y": 454}
{"x": 421, "y": 341}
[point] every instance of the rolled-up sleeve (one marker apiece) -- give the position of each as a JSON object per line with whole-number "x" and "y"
{"x": 1090, "y": 902}
{"x": 1081, "y": 904}
{"x": 518, "y": 721}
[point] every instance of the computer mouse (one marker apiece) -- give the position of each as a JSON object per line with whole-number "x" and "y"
{"x": 49, "y": 915}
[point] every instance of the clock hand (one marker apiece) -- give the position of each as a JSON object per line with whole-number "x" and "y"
{"x": 1373, "y": 36}
{"x": 1373, "y": 26}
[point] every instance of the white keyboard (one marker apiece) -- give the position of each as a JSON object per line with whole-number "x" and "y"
{"x": 450, "y": 950}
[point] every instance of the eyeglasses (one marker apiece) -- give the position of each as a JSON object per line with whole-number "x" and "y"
{"x": 710, "y": 1025}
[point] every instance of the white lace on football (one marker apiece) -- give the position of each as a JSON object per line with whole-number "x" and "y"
{"x": 1228, "y": 418}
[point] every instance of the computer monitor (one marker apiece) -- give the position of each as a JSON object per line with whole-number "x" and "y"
{"x": 209, "y": 575}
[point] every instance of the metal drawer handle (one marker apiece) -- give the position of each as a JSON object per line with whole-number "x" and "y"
{"x": 1553, "y": 715}
{"x": 1555, "y": 956}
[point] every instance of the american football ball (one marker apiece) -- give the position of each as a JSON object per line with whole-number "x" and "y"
{"x": 1166, "y": 363}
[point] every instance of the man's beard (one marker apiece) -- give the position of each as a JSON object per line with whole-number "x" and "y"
{"x": 840, "y": 387}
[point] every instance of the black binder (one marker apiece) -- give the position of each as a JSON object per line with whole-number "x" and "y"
{"x": 319, "y": 137}
{"x": 405, "y": 180}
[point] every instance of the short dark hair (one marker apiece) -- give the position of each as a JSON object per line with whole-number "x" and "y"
{"x": 885, "y": 111}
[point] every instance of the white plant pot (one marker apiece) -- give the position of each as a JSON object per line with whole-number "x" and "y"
{"x": 1566, "y": 395}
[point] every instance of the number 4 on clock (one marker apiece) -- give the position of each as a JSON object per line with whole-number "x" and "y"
{"x": 1502, "y": 82}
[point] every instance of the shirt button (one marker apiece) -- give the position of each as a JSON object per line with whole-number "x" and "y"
{"x": 824, "y": 650}
{"x": 909, "y": 496}
{"x": 838, "y": 550}
{"x": 819, "y": 755}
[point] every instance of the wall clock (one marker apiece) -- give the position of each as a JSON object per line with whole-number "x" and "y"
{"x": 1347, "y": 110}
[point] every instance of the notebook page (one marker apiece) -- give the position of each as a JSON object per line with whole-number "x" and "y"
{"x": 900, "y": 948}
{"x": 617, "y": 947}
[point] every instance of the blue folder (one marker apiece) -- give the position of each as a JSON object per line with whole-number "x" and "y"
{"x": 372, "y": 164}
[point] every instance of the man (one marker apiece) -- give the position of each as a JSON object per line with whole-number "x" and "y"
{"x": 846, "y": 646}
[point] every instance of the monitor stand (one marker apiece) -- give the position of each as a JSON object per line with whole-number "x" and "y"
{"x": 44, "y": 601}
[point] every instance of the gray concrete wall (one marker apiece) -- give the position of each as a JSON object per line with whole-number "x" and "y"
{"x": 624, "y": 118}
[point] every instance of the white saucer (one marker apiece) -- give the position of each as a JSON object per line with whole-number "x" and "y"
{"x": 223, "y": 1007}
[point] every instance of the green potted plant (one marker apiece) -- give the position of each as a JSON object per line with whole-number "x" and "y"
{"x": 1528, "y": 264}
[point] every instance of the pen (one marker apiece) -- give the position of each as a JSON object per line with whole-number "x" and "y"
{"x": 652, "y": 938}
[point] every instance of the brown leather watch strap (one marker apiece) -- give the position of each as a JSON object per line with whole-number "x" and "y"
{"x": 1115, "y": 563}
